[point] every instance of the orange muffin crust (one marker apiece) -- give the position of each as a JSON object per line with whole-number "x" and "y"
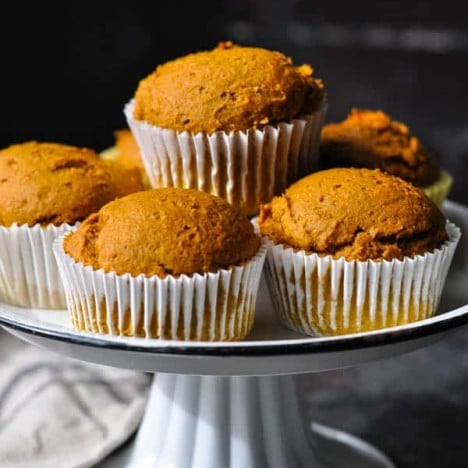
{"x": 228, "y": 88}
{"x": 128, "y": 152}
{"x": 371, "y": 139}
{"x": 357, "y": 214}
{"x": 164, "y": 231}
{"x": 54, "y": 183}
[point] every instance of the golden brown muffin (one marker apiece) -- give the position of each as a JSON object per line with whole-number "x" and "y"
{"x": 371, "y": 139}
{"x": 54, "y": 183}
{"x": 228, "y": 88}
{"x": 128, "y": 152}
{"x": 357, "y": 214}
{"x": 165, "y": 231}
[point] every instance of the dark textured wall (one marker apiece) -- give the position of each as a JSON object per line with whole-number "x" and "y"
{"x": 67, "y": 72}
{"x": 409, "y": 58}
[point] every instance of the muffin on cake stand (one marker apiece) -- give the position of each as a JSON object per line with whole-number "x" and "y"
{"x": 234, "y": 404}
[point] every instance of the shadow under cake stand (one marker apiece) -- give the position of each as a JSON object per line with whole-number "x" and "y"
{"x": 235, "y": 405}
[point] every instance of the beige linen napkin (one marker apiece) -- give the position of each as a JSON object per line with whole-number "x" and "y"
{"x": 57, "y": 412}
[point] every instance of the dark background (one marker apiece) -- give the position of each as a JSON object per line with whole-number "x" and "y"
{"x": 67, "y": 72}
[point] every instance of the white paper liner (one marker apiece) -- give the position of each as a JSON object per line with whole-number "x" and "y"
{"x": 203, "y": 307}
{"x": 29, "y": 276}
{"x": 324, "y": 296}
{"x": 245, "y": 168}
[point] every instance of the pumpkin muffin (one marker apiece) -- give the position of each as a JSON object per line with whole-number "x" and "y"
{"x": 192, "y": 261}
{"x": 125, "y": 149}
{"x": 46, "y": 189}
{"x": 239, "y": 122}
{"x": 355, "y": 250}
{"x": 371, "y": 139}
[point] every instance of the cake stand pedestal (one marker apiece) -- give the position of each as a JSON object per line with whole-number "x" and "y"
{"x": 242, "y": 422}
{"x": 235, "y": 405}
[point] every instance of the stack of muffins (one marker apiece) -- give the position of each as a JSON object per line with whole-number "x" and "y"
{"x": 342, "y": 214}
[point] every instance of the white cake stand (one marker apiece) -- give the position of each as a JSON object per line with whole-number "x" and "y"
{"x": 234, "y": 405}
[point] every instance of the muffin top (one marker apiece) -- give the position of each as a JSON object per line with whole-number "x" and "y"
{"x": 228, "y": 88}
{"x": 371, "y": 139}
{"x": 357, "y": 214}
{"x": 54, "y": 183}
{"x": 164, "y": 231}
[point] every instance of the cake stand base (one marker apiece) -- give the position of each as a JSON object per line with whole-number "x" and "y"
{"x": 239, "y": 422}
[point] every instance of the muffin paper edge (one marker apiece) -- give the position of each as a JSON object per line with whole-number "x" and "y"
{"x": 29, "y": 275}
{"x": 320, "y": 296}
{"x": 203, "y": 307}
{"x": 245, "y": 168}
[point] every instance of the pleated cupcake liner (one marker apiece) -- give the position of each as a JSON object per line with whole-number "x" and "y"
{"x": 203, "y": 307}
{"x": 245, "y": 168}
{"x": 439, "y": 190}
{"x": 319, "y": 296}
{"x": 29, "y": 275}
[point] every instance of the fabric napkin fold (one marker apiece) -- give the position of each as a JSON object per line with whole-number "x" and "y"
{"x": 58, "y": 412}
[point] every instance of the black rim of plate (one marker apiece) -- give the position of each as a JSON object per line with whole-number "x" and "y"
{"x": 307, "y": 345}
{"x": 438, "y": 324}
